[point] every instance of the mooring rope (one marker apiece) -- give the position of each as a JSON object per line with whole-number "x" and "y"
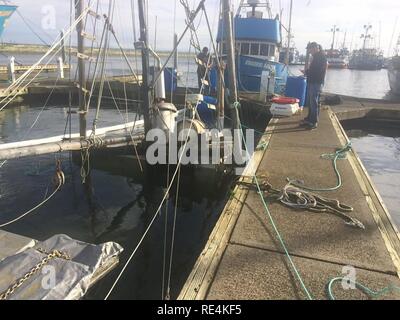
{"x": 369, "y": 292}
{"x": 338, "y": 154}
{"x": 271, "y": 219}
{"x": 297, "y": 198}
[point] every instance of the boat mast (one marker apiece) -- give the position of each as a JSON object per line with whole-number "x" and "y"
{"x": 344, "y": 40}
{"x": 231, "y": 68}
{"x": 79, "y": 8}
{"x": 144, "y": 46}
{"x": 230, "y": 47}
{"x": 366, "y": 36}
{"x": 287, "y": 56}
{"x": 334, "y": 30}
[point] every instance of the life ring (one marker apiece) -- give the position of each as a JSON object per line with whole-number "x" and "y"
{"x": 285, "y": 100}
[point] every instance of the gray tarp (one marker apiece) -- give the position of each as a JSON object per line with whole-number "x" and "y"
{"x": 59, "y": 279}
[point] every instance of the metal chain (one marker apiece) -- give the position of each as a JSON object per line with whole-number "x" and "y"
{"x": 50, "y": 255}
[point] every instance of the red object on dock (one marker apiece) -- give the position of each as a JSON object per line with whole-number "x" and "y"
{"x": 285, "y": 100}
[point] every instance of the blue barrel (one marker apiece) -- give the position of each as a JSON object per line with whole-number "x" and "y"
{"x": 296, "y": 88}
{"x": 206, "y": 114}
{"x": 210, "y": 100}
{"x": 171, "y": 79}
{"x": 214, "y": 78}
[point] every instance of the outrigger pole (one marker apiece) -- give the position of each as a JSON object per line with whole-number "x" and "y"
{"x": 144, "y": 46}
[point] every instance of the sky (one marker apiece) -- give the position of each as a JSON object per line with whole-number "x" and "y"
{"x": 312, "y": 20}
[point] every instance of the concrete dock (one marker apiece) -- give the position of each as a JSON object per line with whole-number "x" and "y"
{"x": 243, "y": 258}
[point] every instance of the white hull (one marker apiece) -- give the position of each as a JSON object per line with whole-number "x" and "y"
{"x": 394, "y": 80}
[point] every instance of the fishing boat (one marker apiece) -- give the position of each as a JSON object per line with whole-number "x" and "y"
{"x": 6, "y": 12}
{"x": 393, "y": 68}
{"x": 258, "y": 43}
{"x": 337, "y": 59}
{"x": 366, "y": 58}
{"x": 394, "y": 74}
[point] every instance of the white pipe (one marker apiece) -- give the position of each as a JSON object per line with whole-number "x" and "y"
{"x": 139, "y": 125}
{"x": 159, "y": 86}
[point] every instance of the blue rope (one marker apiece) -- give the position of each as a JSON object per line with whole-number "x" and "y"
{"x": 359, "y": 286}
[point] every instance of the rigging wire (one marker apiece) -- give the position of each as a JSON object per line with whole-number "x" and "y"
{"x": 25, "y": 20}
{"x": 163, "y": 199}
{"x": 13, "y": 88}
{"x": 60, "y": 182}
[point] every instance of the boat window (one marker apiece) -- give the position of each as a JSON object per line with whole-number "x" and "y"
{"x": 272, "y": 50}
{"x": 255, "y": 49}
{"x": 245, "y": 48}
{"x": 264, "y": 50}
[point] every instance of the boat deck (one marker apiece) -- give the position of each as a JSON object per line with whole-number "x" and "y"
{"x": 243, "y": 258}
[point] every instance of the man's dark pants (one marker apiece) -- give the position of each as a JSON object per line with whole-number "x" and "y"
{"x": 313, "y": 95}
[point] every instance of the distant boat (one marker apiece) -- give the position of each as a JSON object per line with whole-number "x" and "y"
{"x": 366, "y": 58}
{"x": 394, "y": 74}
{"x": 6, "y": 12}
{"x": 337, "y": 59}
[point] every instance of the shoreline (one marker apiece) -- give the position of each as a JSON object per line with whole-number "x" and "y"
{"x": 41, "y": 49}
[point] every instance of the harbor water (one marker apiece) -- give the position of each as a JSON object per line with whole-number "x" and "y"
{"x": 378, "y": 147}
{"x": 117, "y": 204}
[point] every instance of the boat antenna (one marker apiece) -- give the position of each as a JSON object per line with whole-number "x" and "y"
{"x": 366, "y": 36}
{"x": 334, "y": 30}
{"x": 287, "y": 56}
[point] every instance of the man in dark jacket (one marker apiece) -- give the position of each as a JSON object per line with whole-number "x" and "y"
{"x": 315, "y": 83}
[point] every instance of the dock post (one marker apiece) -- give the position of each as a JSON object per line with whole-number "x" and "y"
{"x": 61, "y": 67}
{"x": 11, "y": 70}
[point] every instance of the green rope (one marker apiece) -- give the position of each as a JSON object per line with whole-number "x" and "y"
{"x": 339, "y": 154}
{"x": 260, "y": 193}
{"x": 366, "y": 290}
